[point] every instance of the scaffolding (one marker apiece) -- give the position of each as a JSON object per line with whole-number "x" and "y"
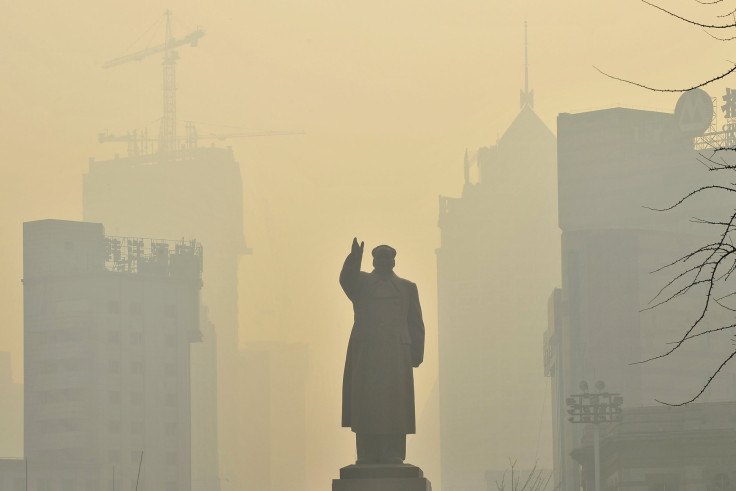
{"x": 173, "y": 258}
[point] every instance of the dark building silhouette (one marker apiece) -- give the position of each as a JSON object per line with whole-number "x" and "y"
{"x": 611, "y": 164}
{"x": 108, "y": 323}
{"x": 496, "y": 264}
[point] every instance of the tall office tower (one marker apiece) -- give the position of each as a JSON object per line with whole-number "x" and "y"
{"x": 611, "y": 165}
{"x": 497, "y": 262}
{"x": 107, "y": 326}
{"x": 192, "y": 192}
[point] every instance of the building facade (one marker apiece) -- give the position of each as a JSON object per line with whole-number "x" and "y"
{"x": 661, "y": 448}
{"x": 108, "y": 323}
{"x": 612, "y": 165}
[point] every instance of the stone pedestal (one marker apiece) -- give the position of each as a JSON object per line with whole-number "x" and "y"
{"x": 381, "y": 477}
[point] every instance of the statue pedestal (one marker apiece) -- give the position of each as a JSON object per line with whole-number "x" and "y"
{"x": 381, "y": 477}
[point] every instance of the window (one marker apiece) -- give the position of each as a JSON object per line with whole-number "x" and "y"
{"x": 113, "y": 307}
{"x": 136, "y": 337}
{"x": 135, "y": 308}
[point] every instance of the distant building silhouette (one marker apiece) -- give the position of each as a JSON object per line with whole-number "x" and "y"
{"x": 108, "y": 323}
{"x": 611, "y": 164}
{"x": 197, "y": 191}
{"x": 497, "y": 262}
{"x": 11, "y": 411}
{"x": 273, "y": 374}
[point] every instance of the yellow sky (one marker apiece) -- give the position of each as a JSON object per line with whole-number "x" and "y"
{"x": 390, "y": 94}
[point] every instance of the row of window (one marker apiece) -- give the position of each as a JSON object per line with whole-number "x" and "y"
{"x": 114, "y": 456}
{"x": 136, "y": 308}
{"x": 137, "y": 398}
{"x": 136, "y": 339}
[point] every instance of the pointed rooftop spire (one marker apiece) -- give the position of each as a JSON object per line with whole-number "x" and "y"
{"x": 527, "y": 96}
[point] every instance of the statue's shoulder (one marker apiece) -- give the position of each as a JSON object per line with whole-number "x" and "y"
{"x": 405, "y": 283}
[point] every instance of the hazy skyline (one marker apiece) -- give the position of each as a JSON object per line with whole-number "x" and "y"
{"x": 389, "y": 96}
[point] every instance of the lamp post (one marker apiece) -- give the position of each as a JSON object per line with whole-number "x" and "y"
{"x": 595, "y": 408}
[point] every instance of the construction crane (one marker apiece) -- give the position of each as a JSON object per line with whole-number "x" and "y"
{"x": 167, "y": 133}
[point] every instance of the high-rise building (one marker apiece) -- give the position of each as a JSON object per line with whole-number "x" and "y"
{"x": 497, "y": 262}
{"x": 612, "y": 165}
{"x": 195, "y": 192}
{"x": 108, "y": 323}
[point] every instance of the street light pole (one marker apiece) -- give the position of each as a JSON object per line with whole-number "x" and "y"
{"x": 597, "y": 458}
{"x": 595, "y": 408}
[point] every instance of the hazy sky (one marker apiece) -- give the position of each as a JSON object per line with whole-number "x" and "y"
{"x": 390, "y": 94}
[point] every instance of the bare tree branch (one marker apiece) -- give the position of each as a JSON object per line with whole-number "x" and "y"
{"x": 710, "y": 282}
{"x": 702, "y": 84}
{"x": 689, "y": 21}
{"x": 719, "y": 38}
{"x": 693, "y": 193}
{"x": 718, "y": 370}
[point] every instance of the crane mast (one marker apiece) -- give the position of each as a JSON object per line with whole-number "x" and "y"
{"x": 167, "y": 133}
{"x": 167, "y": 130}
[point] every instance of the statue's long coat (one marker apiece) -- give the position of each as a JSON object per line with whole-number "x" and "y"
{"x": 387, "y": 340}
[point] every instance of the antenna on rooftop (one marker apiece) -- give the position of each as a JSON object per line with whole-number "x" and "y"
{"x": 527, "y": 96}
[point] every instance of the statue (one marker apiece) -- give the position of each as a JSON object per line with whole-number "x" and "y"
{"x": 386, "y": 343}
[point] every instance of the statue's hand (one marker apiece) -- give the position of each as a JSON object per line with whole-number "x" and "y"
{"x": 357, "y": 249}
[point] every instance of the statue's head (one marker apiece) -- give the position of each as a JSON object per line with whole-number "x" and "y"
{"x": 384, "y": 259}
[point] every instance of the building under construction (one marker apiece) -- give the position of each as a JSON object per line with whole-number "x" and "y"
{"x": 170, "y": 186}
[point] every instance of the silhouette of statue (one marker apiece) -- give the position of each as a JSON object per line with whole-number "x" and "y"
{"x": 386, "y": 342}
